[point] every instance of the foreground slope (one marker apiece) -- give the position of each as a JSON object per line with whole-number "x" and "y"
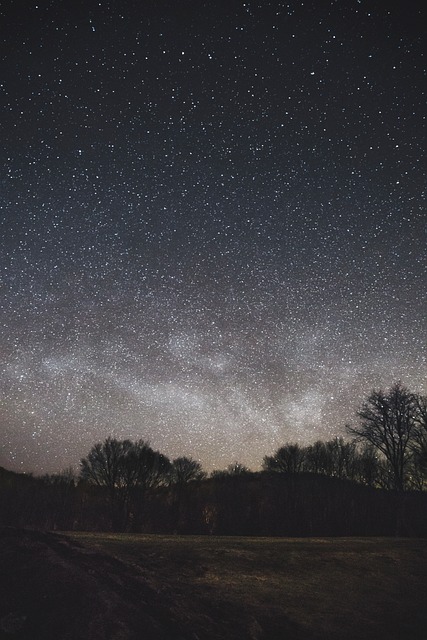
{"x": 52, "y": 588}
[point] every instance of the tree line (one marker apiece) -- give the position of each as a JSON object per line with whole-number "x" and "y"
{"x": 128, "y": 486}
{"x": 388, "y": 448}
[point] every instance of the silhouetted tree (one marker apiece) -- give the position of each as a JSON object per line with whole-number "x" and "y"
{"x": 388, "y": 423}
{"x": 185, "y": 470}
{"x": 418, "y": 470}
{"x": 340, "y": 458}
{"x": 367, "y": 466}
{"x": 153, "y": 467}
{"x": 316, "y": 458}
{"x": 288, "y": 459}
{"x": 126, "y": 469}
{"x": 234, "y": 469}
{"x": 105, "y": 467}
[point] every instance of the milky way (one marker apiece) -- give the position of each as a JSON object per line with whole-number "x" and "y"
{"x": 213, "y": 223}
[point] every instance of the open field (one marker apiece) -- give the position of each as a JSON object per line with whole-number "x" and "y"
{"x": 331, "y": 588}
{"x": 86, "y": 586}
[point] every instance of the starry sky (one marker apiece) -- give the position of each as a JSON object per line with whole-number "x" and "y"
{"x": 212, "y": 222}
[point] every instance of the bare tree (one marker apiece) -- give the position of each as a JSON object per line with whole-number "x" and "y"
{"x": 234, "y": 469}
{"x": 153, "y": 468}
{"x": 104, "y": 467}
{"x": 419, "y": 447}
{"x": 123, "y": 467}
{"x": 316, "y": 458}
{"x": 388, "y": 423}
{"x": 184, "y": 470}
{"x": 368, "y": 466}
{"x": 341, "y": 458}
{"x": 288, "y": 459}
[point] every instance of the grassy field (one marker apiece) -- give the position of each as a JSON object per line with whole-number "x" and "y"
{"x": 332, "y": 588}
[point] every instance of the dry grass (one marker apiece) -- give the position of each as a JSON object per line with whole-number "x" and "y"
{"x": 334, "y": 588}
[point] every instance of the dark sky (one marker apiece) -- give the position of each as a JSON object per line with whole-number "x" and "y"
{"x": 213, "y": 222}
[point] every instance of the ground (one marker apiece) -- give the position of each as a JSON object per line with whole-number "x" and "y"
{"x": 126, "y": 587}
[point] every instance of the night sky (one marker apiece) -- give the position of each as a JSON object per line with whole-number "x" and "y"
{"x": 212, "y": 221}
